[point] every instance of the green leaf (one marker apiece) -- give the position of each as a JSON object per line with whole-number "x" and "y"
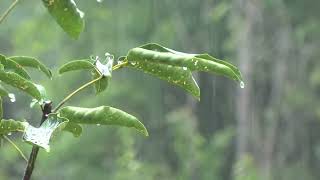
{"x": 41, "y": 136}
{"x": 73, "y": 128}
{"x": 67, "y": 15}
{"x": 3, "y": 91}
{"x": 26, "y": 61}
{"x": 101, "y": 84}
{"x": 21, "y": 83}
{"x": 10, "y": 65}
{"x": 75, "y": 65}
{"x": 194, "y": 62}
{"x": 171, "y": 74}
{"x": 103, "y": 115}
{"x": 8, "y": 126}
{"x": 1, "y": 109}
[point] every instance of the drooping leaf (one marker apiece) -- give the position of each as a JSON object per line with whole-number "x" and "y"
{"x": 67, "y": 15}
{"x": 12, "y": 66}
{"x": 101, "y": 84}
{"x": 8, "y": 126}
{"x": 103, "y": 115}
{"x": 41, "y": 136}
{"x": 26, "y": 61}
{"x": 158, "y": 54}
{"x": 75, "y": 65}
{"x": 73, "y": 128}
{"x": 171, "y": 74}
{"x": 21, "y": 83}
{"x": 105, "y": 69}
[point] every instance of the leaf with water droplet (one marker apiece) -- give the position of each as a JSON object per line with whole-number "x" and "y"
{"x": 170, "y": 57}
{"x": 103, "y": 115}
{"x": 31, "y": 62}
{"x": 12, "y": 97}
{"x": 67, "y": 15}
{"x": 9, "y": 126}
{"x": 21, "y": 83}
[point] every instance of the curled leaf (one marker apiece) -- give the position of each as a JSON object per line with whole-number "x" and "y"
{"x": 103, "y": 115}
{"x": 67, "y": 15}
{"x": 9, "y": 126}
{"x": 26, "y": 61}
{"x": 12, "y": 66}
{"x": 76, "y": 65}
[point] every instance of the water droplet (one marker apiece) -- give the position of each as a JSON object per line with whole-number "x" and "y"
{"x": 133, "y": 63}
{"x": 12, "y": 97}
{"x": 99, "y": 1}
{"x": 98, "y": 124}
{"x": 242, "y": 84}
{"x": 185, "y": 68}
{"x": 9, "y": 134}
{"x": 196, "y": 63}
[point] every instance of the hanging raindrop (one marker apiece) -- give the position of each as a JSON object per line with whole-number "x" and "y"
{"x": 12, "y": 97}
{"x": 241, "y": 84}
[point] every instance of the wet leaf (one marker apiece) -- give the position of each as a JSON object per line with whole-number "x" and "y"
{"x": 21, "y": 83}
{"x": 171, "y": 74}
{"x": 67, "y": 15}
{"x": 8, "y": 126}
{"x": 193, "y": 62}
{"x": 26, "y": 61}
{"x": 76, "y": 65}
{"x": 41, "y": 136}
{"x": 12, "y": 66}
{"x": 103, "y": 115}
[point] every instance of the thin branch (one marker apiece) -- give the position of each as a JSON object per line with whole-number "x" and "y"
{"x": 75, "y": 92}
{"x": 6, "y": 13}
{"x": 16, "y": 147}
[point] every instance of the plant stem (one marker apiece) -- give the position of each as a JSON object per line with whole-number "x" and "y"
{"x": 16, "y": 147}
{"x": 118, "y": 66}
{"x": 35, "y": 149}
{"x": 6, "y": 13}
{"x": 75, "y": 92}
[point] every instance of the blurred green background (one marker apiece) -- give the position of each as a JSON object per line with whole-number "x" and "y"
{"x": 269, "y": 130}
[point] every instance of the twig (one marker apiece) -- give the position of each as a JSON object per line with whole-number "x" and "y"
{"x": 6, "y": 13}
{"x": 16, "y": 147}
{"x": 35, "y": 149}
{"x": 75, "y": 92}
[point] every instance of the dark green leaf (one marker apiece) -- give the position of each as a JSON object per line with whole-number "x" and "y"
{"x": 67, "y": 15}
{"x": 103, "y": 115}
{"x": 76, "y": 65}
{"x": 8, "y": 126}
{"x": 21, "y": 83}
{"x": 26, "y": 61}
{"x": 158, "y": 54}
{"x": 10, "y": 65}
{"x": 172, "y": 74}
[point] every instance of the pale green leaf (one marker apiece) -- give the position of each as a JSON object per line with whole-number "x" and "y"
{"x": 103, "y": 115}
{"x": 26, "y": 61}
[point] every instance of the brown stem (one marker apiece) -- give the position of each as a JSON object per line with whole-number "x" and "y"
{"x": 47, "y": 108}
